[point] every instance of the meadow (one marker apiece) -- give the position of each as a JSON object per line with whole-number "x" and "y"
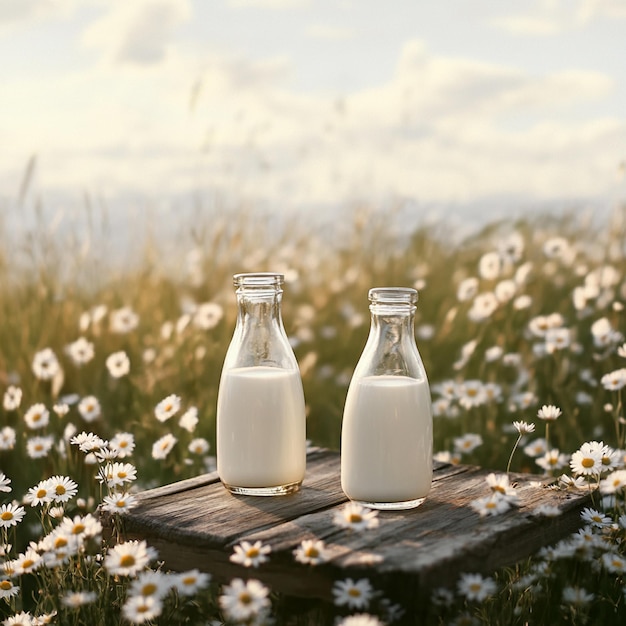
{"x": 109, "y": 374}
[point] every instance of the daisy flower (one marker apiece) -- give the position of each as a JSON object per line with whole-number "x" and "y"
{"x": 7, "y": 438}
{"x": 38, "y": 447}
{"x": 577, "y": 596}
{"x": 168, "y": 407}
{"x": 189, "y": 419}
{"x": 140, "y": 609}
{"x": 63, "y": 488}
{"x": 150, "y": 583}
{"x": 614, "y": 482}
{"x": 614, "y": 562}
{"x": 61, "y": 409}
{"x": 8, "y": 589}
{"x": 242, "y": 601}
{"x": 42, "y": 493}
{"x": 250, "y": 554}
{"x": 536, "y": 448}
{"x": 467, "y": 443}
{"x": 356, "y": 517}
{"x": 524, "y": 428}
{"x": 116, "y": 474}
{"x": 190, "y": 582}
{"x": 89, "y": 408}
{"x": 80, "y": 351}
{"x": 595, "y": 518}
{"x": 311, "y": 552}
{"x": 45, "y": 364}
{"x": 163, "y": 446}
{"x": 552, "y": 460}
{"x": 123, "y": 320}
{"x": 548, "y": 412}
{"x": 4, "y": 483}
{"x": 12, "y": 398}
{"x": 118, "y": 364}
{"x": 128, "y": 558}
{"x": 475, "y": 587}
{"x": 471, "y": 393}
{"x": 75, "y": 599}
{"x": 588, "y": 459}
{"x": 494, "y": 504}
{"x": 123, "y": 444}
{"x": 81, "y": 525}
{"x": 207, "y": 315}
{"x": 26, "y": 562}
{"x": 499, "y": 483}
{"x": 353, "y": 594}
{"x": 11, "y": 515}
{"x": 615, "y": 380}
{"x": 547, "y": 510}
{"x": 23, "y": 618}
{"x": 467, "y": 289}
{"x": 198, "y": 446}
{"x": 88, "y": 442}
{"x": 119, "y": 502}
{"x": 37, "y": 416}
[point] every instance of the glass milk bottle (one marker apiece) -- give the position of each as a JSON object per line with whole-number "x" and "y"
{"x": 387, "y": 434}
{"x": 261, "y": 431}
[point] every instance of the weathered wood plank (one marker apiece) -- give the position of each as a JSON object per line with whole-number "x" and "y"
{"x": 196, "y": 523}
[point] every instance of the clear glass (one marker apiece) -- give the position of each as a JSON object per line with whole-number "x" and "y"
{"x": 387, "y": 428}
{"x": 261, "y": 424}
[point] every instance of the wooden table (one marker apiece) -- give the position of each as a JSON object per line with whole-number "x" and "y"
{"x": 196, "y": 523}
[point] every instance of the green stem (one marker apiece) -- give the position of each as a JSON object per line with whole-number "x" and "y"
{"x": 508, "y": 467}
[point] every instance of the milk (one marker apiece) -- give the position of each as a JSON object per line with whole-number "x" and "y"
{"x": 261, "y": 432}
{"x": 386, "y": 440}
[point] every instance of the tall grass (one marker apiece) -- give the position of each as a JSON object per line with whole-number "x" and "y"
{"x": 52, "y": 288}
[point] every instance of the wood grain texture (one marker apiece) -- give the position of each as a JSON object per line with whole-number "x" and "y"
{"x": 196, "y": 523}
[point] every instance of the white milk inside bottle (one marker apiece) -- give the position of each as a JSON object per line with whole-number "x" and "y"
{"x": 261, "y": 439}
{"x": 386, "y": 448}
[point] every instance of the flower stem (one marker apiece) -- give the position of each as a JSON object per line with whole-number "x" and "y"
{"x": 508, "y": 467}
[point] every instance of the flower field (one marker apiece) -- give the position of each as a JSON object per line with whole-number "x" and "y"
{"x": 109, "y": 376}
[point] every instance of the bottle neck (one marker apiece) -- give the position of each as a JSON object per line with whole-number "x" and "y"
{"x": 391, "y": 347}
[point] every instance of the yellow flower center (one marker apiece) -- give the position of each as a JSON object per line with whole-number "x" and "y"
{"x": 60, "y": 490}
{"x": 121, "y": 504}
{"x": 354, "y": 592}
{"x": 148, "y": 589}
{"x": 355, "y": 518}
{"x": 312, "y": 552}
{"x": 78, "y": 528}
{"x": 189, "y": 580}
{"x": 26, "y": 563}
{"x": 6, "y": 585}
{"x": 253, "y": 552}
{"x": 122, "y": 474}
{"x": 127, "y": 560}
{"x": 6, "y": 516}
{"x": 41, "y": 493}
{"x": 587, "y": 462}
{"x": 60, "y": 542}
{"x": 245, "y": 597}
{"x": 475, "y": 587}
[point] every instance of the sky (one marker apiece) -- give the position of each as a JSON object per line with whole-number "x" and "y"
{"x": 301, "y": 104}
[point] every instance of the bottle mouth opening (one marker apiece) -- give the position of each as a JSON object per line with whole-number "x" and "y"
{"x": 262, "y": 280}
{"x": 393, "y": 295}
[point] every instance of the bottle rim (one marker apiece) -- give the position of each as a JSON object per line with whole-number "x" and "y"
{"x": 259, "y": 279}
{"x": 393, "y": 295}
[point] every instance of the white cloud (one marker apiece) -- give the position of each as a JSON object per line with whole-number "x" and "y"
{"x": 327, "y": 31}
{"x": 270, "y": 4}
{"x": 440, "y": 128}
{"x": 550, "y": 17}
{"x": 138, "y": 32}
